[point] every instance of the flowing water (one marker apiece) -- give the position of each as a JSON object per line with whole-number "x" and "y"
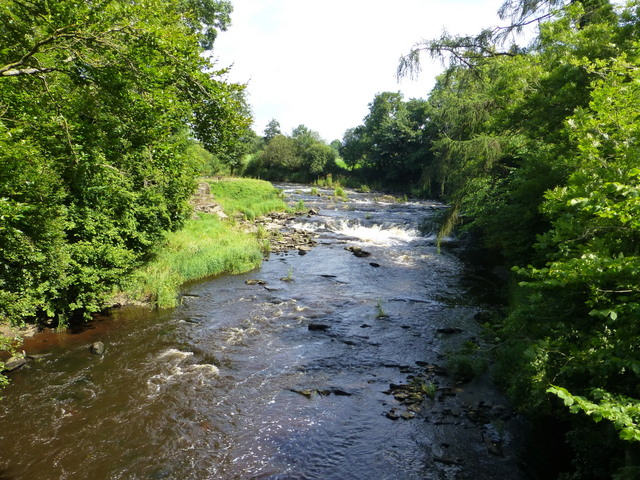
{"x": 275, "y": 379}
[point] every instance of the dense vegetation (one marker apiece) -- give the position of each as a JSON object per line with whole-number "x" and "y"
{"x": 100, "y": 103}
{"x": 393, "y": 145}
{"x": 537, "y": 149}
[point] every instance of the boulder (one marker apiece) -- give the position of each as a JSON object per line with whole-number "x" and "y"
{"x": 358, "y": 252}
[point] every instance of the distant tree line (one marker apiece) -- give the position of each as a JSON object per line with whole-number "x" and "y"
{"x": 300, "y": 157}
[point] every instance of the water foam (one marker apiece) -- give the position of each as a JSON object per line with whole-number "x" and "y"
{"x": 174, "y": 353}
{"x": 174, "y": 371}
{"x": 377, "y": 234}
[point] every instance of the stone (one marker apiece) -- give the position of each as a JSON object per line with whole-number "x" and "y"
{"x": 447, "y": 460}
{"x": 449, "y": 330}
{"x": 97, "y": 348}
{"x": 14, "y": 363}
{"x": 392, "y": 415}
{"x": 340, "y": 393}
{"x": 318, "y": 327}
{"x": 304, "y": 392}
{"x": 494, "y": 448}
{"x": 407, "y": 415}
{"x": 358, "y": 252}
{"x": 38, "y": 356}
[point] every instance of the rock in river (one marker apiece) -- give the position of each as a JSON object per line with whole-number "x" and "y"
{"x": 14, "y": 363}
{"x": 97, "y": 348}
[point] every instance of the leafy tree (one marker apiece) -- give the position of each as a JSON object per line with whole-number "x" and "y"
{"x": 271, "y": 130}
{"x": 535, "y": 148}
{"x": 317, "y": 158}
{"x": 354, "y": 145}
{"x": 391, "y": 145}
{"x": 281, "y": 153}
{"x": 302, "y": 157}
{"x": 99, "y": 101}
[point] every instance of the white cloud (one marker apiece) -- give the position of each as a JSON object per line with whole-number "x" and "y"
{"x": 320, "y": 63}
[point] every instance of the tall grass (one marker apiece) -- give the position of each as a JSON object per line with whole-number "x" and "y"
{"x": 207, "y": 245}
{"x": 249, "y": 197}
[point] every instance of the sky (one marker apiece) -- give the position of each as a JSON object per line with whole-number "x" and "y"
{"x": 320, "y": 63}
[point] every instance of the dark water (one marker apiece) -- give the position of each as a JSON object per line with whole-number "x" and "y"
{"x": 226, "y": 386}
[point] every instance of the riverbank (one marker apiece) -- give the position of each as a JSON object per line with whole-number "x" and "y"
{"x": 227, "y": 233}
{"x": 230, "y": 232}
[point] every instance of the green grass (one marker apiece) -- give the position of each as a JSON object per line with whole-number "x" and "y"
{"x": 339, "y": 192}
{"x": 249, "y": 197}
{"x": 207, "y": 246}
{"x": 381, "y": 313}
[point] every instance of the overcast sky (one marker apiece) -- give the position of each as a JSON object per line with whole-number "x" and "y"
{"x": 320, "y": 63}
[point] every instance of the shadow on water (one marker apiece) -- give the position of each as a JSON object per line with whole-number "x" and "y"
{"x": 339, "y": 372}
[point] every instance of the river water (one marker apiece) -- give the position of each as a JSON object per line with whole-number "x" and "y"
{"x": 276, "y": 379}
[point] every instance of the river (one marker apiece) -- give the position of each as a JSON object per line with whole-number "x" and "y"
{"x": 301, "y": 373}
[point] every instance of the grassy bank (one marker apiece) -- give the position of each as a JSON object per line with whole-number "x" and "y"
{"x": 245, "y": 196}
{"x": 208, "y": 245}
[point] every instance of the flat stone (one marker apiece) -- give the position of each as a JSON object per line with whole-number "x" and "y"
{"x": 14, "y": 363}
{"x": 447, "y": 460}
{"x": 304, "y": 392}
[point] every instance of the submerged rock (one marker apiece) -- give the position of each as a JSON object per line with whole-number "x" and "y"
{"x": 358, "y": 252}
{"x": 450, "y": 330}
{"x": 318, "y": 327}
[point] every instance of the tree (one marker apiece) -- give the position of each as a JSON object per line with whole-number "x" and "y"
{"x": 281, "y": 153}
{"x": 317, "y": 158}
{"x": 391, "y": 144}
{"x": 99, "y": 102}
{"x": 536, "y": 149}
{"x": 271, "y": 130}
{"x": 302, "y": 157}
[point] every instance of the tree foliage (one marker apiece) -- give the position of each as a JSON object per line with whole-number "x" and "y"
{"x": 536, "y": 148}
{"x": 99, "y": 102}
{"x": 392, "y": 145}
{"x": 301, "y": 157}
